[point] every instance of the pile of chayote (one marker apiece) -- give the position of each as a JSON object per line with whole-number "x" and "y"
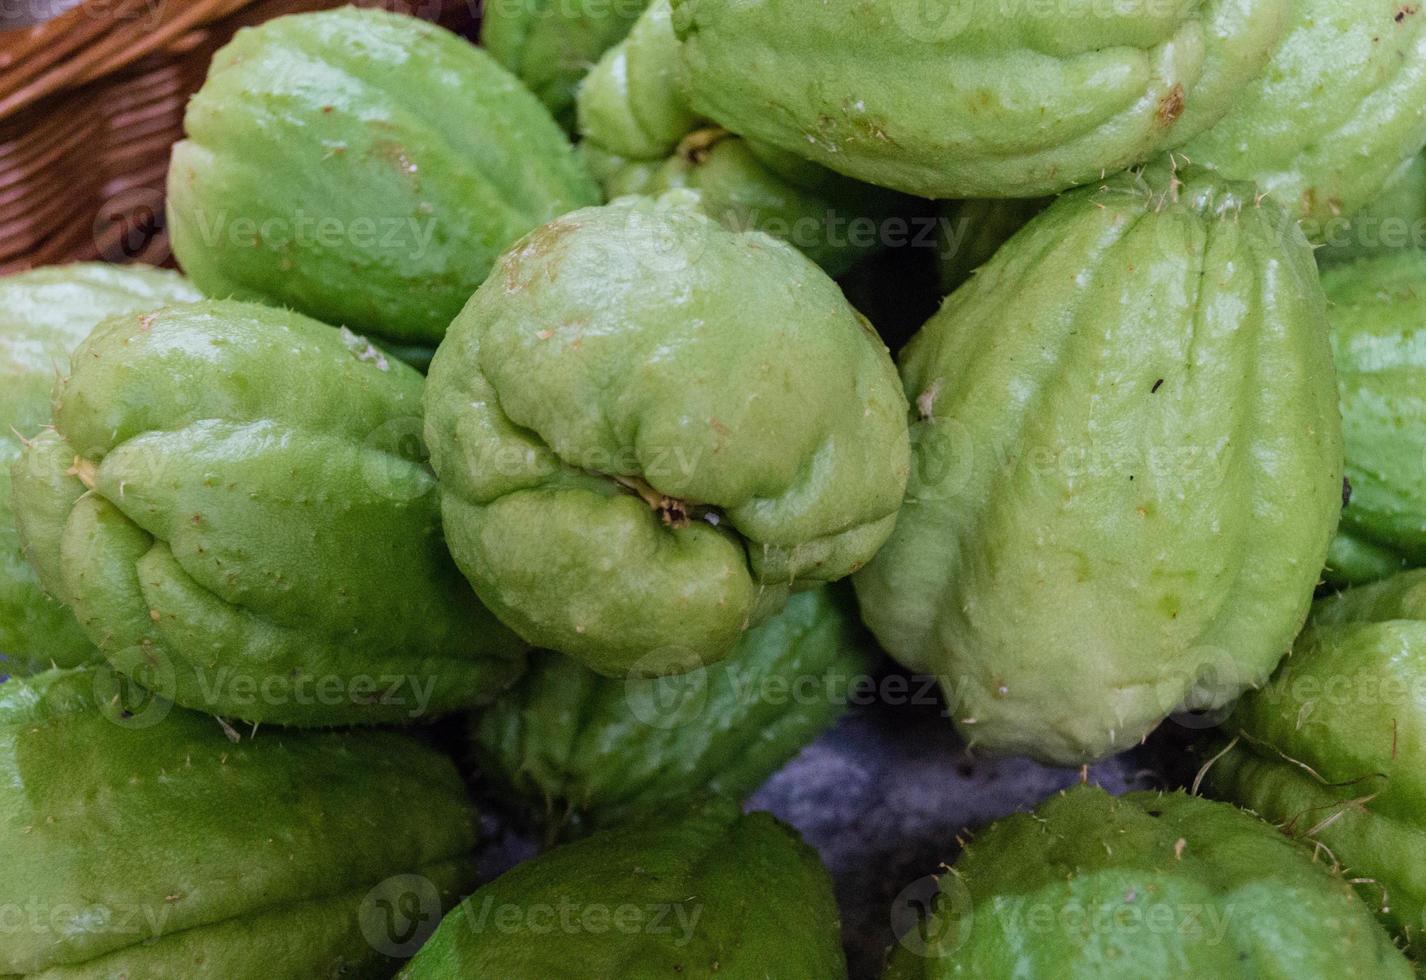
{"x": 509, "y": 435}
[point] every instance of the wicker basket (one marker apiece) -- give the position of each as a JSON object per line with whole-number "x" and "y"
{"x": 90, "y": 103}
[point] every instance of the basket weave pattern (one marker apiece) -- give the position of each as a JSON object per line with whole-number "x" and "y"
{"x": 92, "y": 100}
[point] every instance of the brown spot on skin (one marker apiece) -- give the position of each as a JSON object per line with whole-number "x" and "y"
{"x": 394, "y": 153}
{"x": 1170, "y": 107}
{"x": 146, "y": 322}
{"x": 533, "y": 247}
{"x": 697, "y": 145}
{"x": 1405, "y": 12}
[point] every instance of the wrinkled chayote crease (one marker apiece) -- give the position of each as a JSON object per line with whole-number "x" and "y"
{"x": 975, "y": 98}
{"x": 1377, "y": 307}
{"x": 1338, "y": 110}
{"x": 1093, "y": 887}
{"x": 578, "y": 751}
{"x": 1333, "y": 749}
{"x": 1128, "y": 467}
{"x": 364, "y": 168}
{"x": 709, "y": 892}
{"x": 650, "y": 429}
{"x": 234, "y": 504}
{"x": 550, "y": 45}
{"x": 146, "y": 844}
{"x": 44, "y": 314}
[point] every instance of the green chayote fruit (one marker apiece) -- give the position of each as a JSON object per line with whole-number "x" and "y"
{"x": 633, "y": 103}
{"x": 834, "y": 221}
{"x": 579, "y": 751}
{"x": 1333, "y": 749}
{"x": 711, "y": 893}
{"x": 364, "y": 168}
{"x": 233, "y": 503}
{"x": 44, "y": 314}
{"x": 1394, "y": 222}
{"x": 551, "y": 44}
{"x": 150, "y": 846}
{"x": 1378, "y": 311}
{"x": 964, "y": 99}
{"x": 1128, "y": 467}
{"x": 1093, "y": 887}
{"x": 971, "y": 232}
{"x": 649, "y": 428}
{"x": 1338, "y": 110}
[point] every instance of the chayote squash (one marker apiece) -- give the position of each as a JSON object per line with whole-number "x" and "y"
{"x": 148, "y": 845}
{"x": 44, "y": 314}
{"x": 1128, "y": 467}
{"x": 640, "y": 138}
{"x": 649, "y": 429}
{"x": 1378, "y": 313}
{"x": 633, "y": 104}
{"x": 233, "y": 503}
{"x": 578, "y": 751}
{"x": 1333, "y": 749}
{"x": 1093, "y": 887}
{"x": 1394, "y": 222}
{"x": 961, "y": 99}
{"x": 364, "y": 168}
{"x": 550, "y": 45}
{"x": 711, "y": 893}
{"x": 1340, "y": 108}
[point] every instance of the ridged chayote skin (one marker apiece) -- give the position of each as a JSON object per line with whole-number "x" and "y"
{"x": 972, "y": 98}
{"x": 233, "y": 503}
{"x": 1333, "y": 750}
{"x": 551, "y": 44}
{"x": 639, "y": 137}
{"x": 1378, "y": 311}
{"x": 150, "y": 846}
{"x": 1093, "y": 887}
{"x": 1338, "y": 110}
{"x": 711, "y": 893}
{"x": 1394, "y": 222}
{"x": 44, "y": 314}
{"x": 1128, "y": 468}
{"x": 649, "y": 429}
{"x": 578, "y": 751}
{"x": 364, "y": 168}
